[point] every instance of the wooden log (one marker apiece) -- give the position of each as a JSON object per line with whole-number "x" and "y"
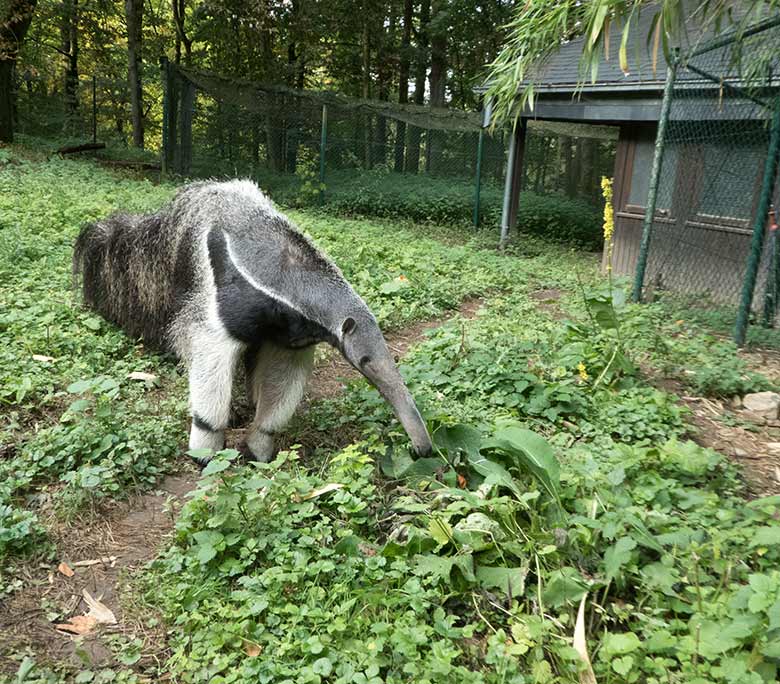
{"x": 85, "y": 147}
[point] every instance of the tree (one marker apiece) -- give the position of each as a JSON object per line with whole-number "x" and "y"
{"x": 69, "y": 31}
{"x": 134, "y": 11}
{"x": 538, "y": 28}
{"x": 15, "y": 19}
{"x": 403, "y": 84}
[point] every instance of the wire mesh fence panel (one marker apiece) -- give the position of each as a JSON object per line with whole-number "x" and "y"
{"x": 716, "y": 182}
{"x": 364, "y": 157}
{"x": 87, "y": 109}
{"x": 304, "y": 147}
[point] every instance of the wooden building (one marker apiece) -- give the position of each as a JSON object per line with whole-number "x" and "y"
{"x": 711, "y": 174}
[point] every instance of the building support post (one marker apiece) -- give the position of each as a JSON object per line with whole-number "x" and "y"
{"x": 658, "y": 158}
{"x": 478, "y": 179}
{"x": 759, "y": 225}
{"x": 514, "y": 170}
{"x": 323, "y": 144}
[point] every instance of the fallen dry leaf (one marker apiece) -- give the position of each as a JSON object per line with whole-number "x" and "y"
{"x": 80, "y": 624}
{"x": 140, "y": 375}
{"x": 587, "y": 676}
{"x": 107, "y": 560}
{"x": 252, "y": 650}
{"x": 330, "y": 487}
{"x": 65, "y": 569}
{"x": 41, "y": 357}
{"x": 462, "y": 482}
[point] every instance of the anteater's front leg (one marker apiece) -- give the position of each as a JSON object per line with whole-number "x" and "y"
{"x": 278, "y": 382}
{"x": 214, "y": 357}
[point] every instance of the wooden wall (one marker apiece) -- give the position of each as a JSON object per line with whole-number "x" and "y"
{"x": 690, "y": 251}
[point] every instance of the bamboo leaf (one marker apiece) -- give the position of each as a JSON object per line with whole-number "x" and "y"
{"x": 655, "y": 45}
{"x": 623, "y": 52}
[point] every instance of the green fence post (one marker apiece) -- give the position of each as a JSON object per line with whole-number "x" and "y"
{"x": 323, "y": 143}
{"x": 757, "y": 242}
{"x": 770, "y": 287}
{"x": 658, "y": 157}
{"x": 166, "y": 84}
{"x": 478, "y": 180}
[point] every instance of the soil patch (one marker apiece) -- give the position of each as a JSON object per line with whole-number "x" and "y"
{"x": 721, "y": 425}
{"x": 102, "y": 548}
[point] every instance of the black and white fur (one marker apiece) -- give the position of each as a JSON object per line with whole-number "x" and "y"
{"x": 219, "y": 276}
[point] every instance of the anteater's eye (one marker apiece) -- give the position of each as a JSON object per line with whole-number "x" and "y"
{"x": 365, "y": 360}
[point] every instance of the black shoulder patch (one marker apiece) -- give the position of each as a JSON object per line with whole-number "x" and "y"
{"x": 251, "y": 315}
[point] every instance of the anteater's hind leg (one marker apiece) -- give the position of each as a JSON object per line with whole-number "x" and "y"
{"x": 278, "y": 381}
{"x": 212, "y": 367}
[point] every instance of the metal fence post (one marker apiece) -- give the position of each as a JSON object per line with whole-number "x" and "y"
{"x": 770, "y": 288}
{"x": 94, "y": 108}
{"x": 478, "y": 180}
{"x": 757, "y": 242}
{"x": 510, "y": 170}
{"x": 323, "y": 144}
{"x": 658, "y": 157}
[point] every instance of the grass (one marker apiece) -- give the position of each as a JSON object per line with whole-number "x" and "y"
{"x": 560, "y": 475}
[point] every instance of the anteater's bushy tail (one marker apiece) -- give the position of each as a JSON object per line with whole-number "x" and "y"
{"x": 126, "y": 267}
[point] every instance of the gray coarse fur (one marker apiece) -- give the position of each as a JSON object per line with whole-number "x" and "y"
{"x": 151, "y": 274}
{"x": 219, "y": 273}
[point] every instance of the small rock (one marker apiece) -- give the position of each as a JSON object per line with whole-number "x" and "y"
{"x": 765, "y": 404}
{"x": 736, "y": 402}
{"x": 740, "y": 453}
{"x": 773, "y": 447}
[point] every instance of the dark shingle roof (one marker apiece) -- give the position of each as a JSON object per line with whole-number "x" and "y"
{"x": 562, "y": 72}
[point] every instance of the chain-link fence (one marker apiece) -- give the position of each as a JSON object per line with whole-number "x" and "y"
{"x": 78, "y": 110}
{"x": 362, "y": 156}
{"x": 708, "y": 233}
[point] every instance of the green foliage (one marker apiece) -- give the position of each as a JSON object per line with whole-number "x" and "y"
{"x": 442, "y": 200}
{"x": 558, "y": 474}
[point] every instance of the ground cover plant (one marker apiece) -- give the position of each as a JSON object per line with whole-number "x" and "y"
{"x": 565, "y": 507}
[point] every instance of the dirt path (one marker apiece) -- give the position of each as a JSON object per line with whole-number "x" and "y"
{"x": 118, "y": 540}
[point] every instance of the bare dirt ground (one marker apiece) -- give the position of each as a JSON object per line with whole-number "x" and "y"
{"x": 751, "y": 441}
{"x": 105, "y": 547}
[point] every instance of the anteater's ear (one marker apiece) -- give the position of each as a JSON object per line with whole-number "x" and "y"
{"x": 347, "y": 326}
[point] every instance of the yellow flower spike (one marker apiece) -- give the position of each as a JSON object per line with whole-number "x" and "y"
{"x": 609, "y": 218}
{"x": 583, "y": 372}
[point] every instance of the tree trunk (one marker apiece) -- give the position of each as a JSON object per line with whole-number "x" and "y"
{"x": 437, "y": 81}
{"x": 69, "y": 32}
{"x": 178, "y": 7}
{"x": 14, "y": 23}
{"x": 134, "y": 12}
{"x": 386, "y": 48}
{"x": 420, "y": 71}
{"x": 366, "y": 90}
{"x": 403, "y": 85}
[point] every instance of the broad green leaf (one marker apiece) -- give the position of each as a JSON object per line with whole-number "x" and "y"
{"x": 530, "y": 452}
{"x": 562, "y": 586}
{"x": 765, "y": 536}
{"x": 440, "y": 530}
{"x": 617, "y": 556}
{"x": 511, "y": 581}
{"x": 623, "y": 665}
{"x": 619, "y": 644}
{"x": 217, "y": 465}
